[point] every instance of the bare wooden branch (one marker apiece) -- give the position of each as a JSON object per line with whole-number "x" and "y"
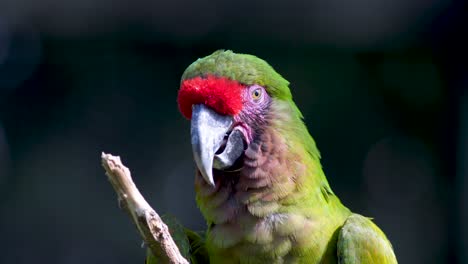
{"x": 152, "y": 229}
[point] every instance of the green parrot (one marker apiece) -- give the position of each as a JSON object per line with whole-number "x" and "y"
{"x": 259, "y": 183}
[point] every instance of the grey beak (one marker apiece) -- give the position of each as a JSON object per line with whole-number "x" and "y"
{"x": 208, "y": 130}
{"x": 234, "y": 148}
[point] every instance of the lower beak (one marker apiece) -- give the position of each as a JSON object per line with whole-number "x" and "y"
{"x": 208, "y": 130}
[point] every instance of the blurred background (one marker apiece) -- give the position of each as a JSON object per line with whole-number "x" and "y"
{"x": 382, "y": 85}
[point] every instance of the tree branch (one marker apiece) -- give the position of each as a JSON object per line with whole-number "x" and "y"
{"x": 152, "y": 229}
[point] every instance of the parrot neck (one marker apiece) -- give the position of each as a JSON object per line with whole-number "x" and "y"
{"x": 296, "y": 149}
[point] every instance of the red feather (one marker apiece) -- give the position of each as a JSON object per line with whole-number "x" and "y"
{"x": 221, "y": 94}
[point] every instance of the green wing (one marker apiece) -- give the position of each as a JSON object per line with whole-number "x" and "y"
{"x": 361, "y": 241}
{"x": 191, "y": 244}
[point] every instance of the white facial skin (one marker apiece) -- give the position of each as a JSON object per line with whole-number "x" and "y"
{"x": 255, "y": 104}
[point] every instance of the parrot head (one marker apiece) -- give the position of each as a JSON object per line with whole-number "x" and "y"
{"x": 225, "y": 116}
{"x": 227, "y": 97}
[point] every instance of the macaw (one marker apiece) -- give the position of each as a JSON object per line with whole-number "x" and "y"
{"x": 259, "y": 183}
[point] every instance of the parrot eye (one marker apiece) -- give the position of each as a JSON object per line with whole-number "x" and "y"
{"x": 256, "y": 93}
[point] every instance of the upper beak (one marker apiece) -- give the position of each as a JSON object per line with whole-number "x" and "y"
{"x": 208, "y": 130}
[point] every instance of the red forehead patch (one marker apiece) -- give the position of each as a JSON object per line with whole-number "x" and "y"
{"x": 221, "y": 94}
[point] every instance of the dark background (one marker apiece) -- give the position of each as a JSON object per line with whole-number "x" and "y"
{"x": 382, "y": 85}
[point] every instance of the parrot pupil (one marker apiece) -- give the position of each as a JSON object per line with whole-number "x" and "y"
{"x": 256, "y": 94}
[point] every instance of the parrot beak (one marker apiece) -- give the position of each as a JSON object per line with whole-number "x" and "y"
{"x": 208, "y": 131}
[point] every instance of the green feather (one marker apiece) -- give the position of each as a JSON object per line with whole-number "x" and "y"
{"x": 244, "y": 68}
{"x": 361, "y": 241}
